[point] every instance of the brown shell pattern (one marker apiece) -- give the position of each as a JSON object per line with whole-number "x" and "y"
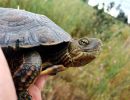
{"x": 29, "y": 29}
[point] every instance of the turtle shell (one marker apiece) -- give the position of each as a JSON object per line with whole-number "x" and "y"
{"x": 28, "y": 29}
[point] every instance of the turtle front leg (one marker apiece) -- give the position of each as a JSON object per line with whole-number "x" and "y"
{"x": 26, "y": 74}
{"x": 51, "y": 69}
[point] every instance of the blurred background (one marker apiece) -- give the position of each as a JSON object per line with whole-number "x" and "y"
{"x": 108, "y": 76}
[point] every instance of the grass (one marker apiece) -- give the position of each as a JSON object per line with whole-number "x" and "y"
{"x": 107, "y": 77}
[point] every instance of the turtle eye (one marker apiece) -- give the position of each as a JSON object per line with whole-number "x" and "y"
{"x": 84, "y": 42}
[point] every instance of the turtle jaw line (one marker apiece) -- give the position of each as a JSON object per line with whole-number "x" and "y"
{"x": 95, "y": 51}
{"x": 92, "y": 53}
{"x": 83, "y": 58}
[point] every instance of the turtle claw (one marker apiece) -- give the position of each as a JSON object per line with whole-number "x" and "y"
{"x": 24, "y": 95}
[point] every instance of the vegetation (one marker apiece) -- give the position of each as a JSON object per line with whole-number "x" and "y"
{"x": 106, "y": 78}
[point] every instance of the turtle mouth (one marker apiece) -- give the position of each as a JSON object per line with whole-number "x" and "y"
{"x": 96, "y": 49}
{"x": 93, "y": 51}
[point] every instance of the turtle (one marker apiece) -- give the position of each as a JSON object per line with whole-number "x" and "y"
{"x": 34, "y": 45}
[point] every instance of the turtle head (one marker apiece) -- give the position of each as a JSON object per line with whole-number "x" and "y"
{"x": 84, "y": 50}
